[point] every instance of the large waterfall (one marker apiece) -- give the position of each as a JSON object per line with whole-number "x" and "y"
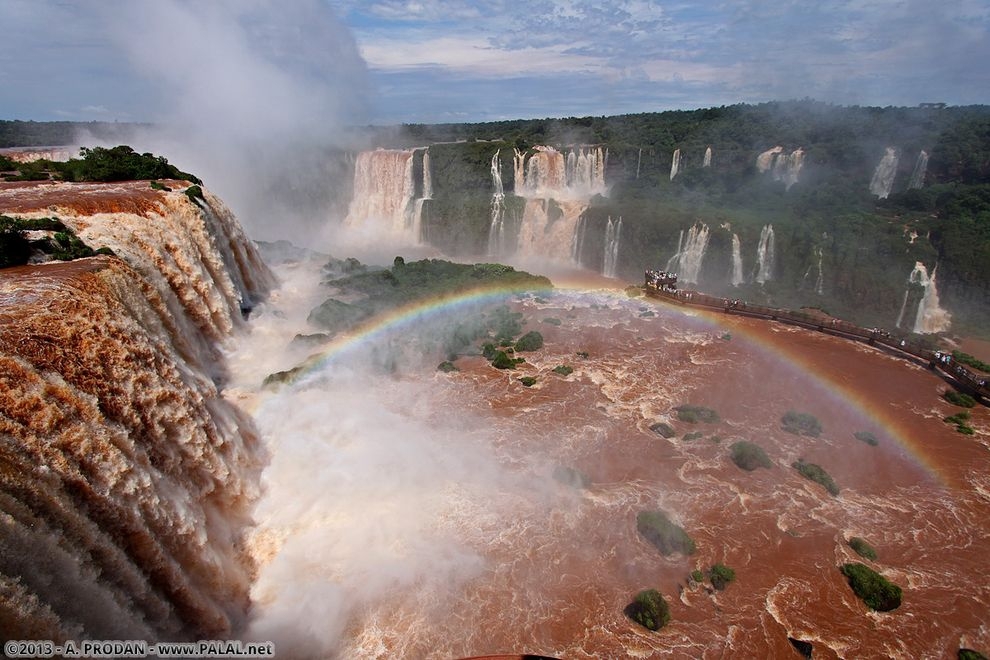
{"x": 386, "y": 204}
{"x": 496, "y": 225}
{"x": 782, "y": 167}
{"x": 920, "y": 169}
{"x": 737, "y": 265}
{"x": 128, "y": 478}
{"x": 557, "y": 191}
{"x": 765, "y": 255}
{"x": 930, "y": 317}
{"x": 883, "y": 176}
{"x": 708, "y": 157}
{"x": 613, "y": 232}
{"x": 690, "y": 253}
{"x": 675, "y": 164}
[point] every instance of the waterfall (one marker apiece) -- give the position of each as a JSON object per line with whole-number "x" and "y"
{"x": 737, "y": 266}
{"x": 496, "y": 227}
{"x": 930, "y": 317}
{"x": 820, "y": 282}
{"x": 675, "y": 163}
{"x": 708, "y": 157}
{"x": 577, "y": 241}
{"x": 765, "y": 161}
{"x": 782, "y": 167}
{"x": 689, "y": 258}
{"x": 427, "y": 175}
{"x": 557, "y": 190}
{"x": 674, "y": 261}
{"x": 883, "y": 176}
{"x": 129, "y": 479}
{"x": 384, "y": 205}
{"x": 639, "y": 161}
{"x": 765, "y": 255}
{"x": 920, "y": 169}
{"x": 613, "y": 232}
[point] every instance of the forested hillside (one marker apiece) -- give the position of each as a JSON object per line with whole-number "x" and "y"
{"x": 838, "y": 245}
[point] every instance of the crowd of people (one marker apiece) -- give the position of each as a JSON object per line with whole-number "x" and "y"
{"x": 661, "y": 280}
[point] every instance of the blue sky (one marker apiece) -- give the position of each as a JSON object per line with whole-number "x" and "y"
{"x": 394, "y": 61}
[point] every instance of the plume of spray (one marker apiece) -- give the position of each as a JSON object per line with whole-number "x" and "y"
{"x": 252, "y": 97}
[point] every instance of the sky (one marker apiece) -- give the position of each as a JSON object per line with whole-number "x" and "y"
{"x": 431, "y": 61}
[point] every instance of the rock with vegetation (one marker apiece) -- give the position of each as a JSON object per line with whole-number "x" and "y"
{"x": 663, "y": 429}
{"x": 749, "y": 456}
{"x": 959, "y": 399}
{"x": 816, "y": 474}
{"x": 720, "y": 576}
{"x": 969, "y": 654}
{"x": 960, "y": 420}
{"x": 563, "y": 370}
{"x": 692, "y": 414}
{"x": 867, "y": 437}
{"x": 649, "y": 609}
{"x": 872, "y": 588}
{"x": 969, "y": 360}
{"x": 527, "y": 381}
{"x": 800, "y": 423}
{"x": 531, "y": 341}
{"x": 571, "y": 477}
{"x": 447, "y": 366}
{"x": 668, "y": 537}
{"x": 550, "y": 320}
{"x": 335, "y": 316}
{"x": 862, "y": 548}
{"x": 60, "y": 243}
{"x": 693, "y": 435}
{"x": 503, "y": 361}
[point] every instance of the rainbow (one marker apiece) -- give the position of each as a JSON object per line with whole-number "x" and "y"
{"x": 408, "y": 316}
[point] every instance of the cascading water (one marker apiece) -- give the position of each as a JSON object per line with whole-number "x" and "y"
{"x": 384, "y": 205}
{"x": 708, "y": 157}
{"x": 920, "y": 169}
{"x": 765, "y": 161}
{"x": 781, "y": 166}
{"x": 639, "y": 162}
{"x": 674, "y": 261}
{"x": 131, "y": 479}
{"x": 675, "y": 163}
{"x": 883, "y": 176}
{"x": 737, "y": 265}
{"x": 930, "y": 317}
{"x": 557, "y": 191}
{"x": 765, "y": 255}
{"x": 690, "y": 257}
{"x": 613, "y": 233}
{"x": 577, "y": 242}
{"x": 820, "y": 280}
{"x": 496, "y": 227}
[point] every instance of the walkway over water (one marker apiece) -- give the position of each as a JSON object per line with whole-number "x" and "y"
{"x": 963, "y": 377}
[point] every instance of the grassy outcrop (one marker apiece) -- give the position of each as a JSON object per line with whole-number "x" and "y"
{"x": 649, "y": 609}
{"x": 800, "y": 423}
{"x": 693, "y": 414}
{"x": 862, "y": 548}
{"x": 816, "y": 474}
{"x": 872, "y": 588}
{"x": 749, "y": 456}
{"x": 531, "y": 341}
{"x": 668, "y": 537}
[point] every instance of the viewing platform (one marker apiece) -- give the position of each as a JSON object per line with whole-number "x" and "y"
{"x": 663, "y": 285}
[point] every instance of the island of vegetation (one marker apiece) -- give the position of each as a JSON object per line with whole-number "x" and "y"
{"x": 800, "y": 423}
{"x": 867, "y": 437}
{"x": 668, "y": 537}
{"x": 692, "y": 414}
{"x": 862, "y": 548}
{"x": 649, "y": 609}
{"x": 872, "y": 588}
{"x": 816, "y": 474}
{"x": 749, "y": 456}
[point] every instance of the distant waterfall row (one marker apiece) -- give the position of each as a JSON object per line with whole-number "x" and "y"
{"x": 691, "y": 248}
{"x": 548, "y": 173}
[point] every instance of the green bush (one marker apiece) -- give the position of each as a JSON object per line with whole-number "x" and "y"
{"x": 488, "y": 351}
{"x": 447, "y": 366}
{"x": 720, "y": 576}
{"x": 563, "y": 370}
{"x": 503, "y": 361}
{"x": 801, "y": 424}
{"x": 872, "y": 588}
{"x": 649, "y": 609}
{"x": 697, "y": 575}
{"x": 693, "y": 435}
{"x": 528, "y": 381}
{"x": 552, "y": 321}
{"x": 959, "y": 399}
{"x": 816, "y": 474}
{"x": 15, "y": 250}
{"x": 862, "y": 548}
{"x": 663, "y": 533}
{"x": 531, "y": 341}
{"x": 867, "y": 437}
{"x": 970, "y": 654}
{"x": 971, "y": 361}
{"x": 692, "y": 414}
{"x": 749, "y": 456}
